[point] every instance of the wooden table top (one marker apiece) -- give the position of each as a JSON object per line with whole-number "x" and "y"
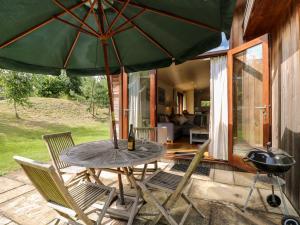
{"x": 101, "y": 154}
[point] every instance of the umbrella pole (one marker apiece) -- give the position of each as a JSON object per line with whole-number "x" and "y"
{"x": 111, "y": 103}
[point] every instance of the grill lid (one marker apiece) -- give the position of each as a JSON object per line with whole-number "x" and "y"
{"x": 272, "y": 156}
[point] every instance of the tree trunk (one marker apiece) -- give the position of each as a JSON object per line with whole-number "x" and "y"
{"x": 16, "y": 112}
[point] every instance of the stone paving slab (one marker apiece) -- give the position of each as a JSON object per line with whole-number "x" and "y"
{"x": 246, "y": 179}
{"x": 13, "y": 193}
{"x": 223, "y": 176}
{"x": 28, "y": 209}
{"x": 18, "y": 175}
{"x": 224, "y": 193}
{"x": 4, "y": 220}
{"x": 8, "y": 184}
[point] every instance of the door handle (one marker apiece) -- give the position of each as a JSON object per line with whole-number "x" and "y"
{"x": 263, "y": 107}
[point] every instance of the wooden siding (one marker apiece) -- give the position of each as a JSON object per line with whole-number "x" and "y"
{"x": 261, "y": 16}
{"x": 285, "y": 84}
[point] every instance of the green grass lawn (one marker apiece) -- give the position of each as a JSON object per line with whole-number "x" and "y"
{"x": 24, "y": 136}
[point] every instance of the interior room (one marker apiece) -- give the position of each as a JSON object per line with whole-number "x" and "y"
{"x": 183, "y": 101}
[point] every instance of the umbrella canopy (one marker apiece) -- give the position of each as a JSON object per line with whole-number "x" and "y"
{"x": 89, "y": 37}
{"x": 85, "y": 36}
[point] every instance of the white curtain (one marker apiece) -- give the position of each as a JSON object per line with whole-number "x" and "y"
{"x": 218, "y": 129}
{"x": 135, "y": 104}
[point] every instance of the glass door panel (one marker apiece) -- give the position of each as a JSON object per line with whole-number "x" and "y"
{"x": 139, "y": 99}
{"x": 248, "y": 101}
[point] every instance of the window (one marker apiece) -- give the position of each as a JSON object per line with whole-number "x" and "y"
{"x": 205, "y": 103}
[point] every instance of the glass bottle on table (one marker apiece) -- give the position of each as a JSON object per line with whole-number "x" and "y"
{"x": 131, "y": 139}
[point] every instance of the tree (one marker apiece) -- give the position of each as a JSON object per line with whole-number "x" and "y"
{"x": 51, "y": 86}
{"x": 96, "y": 92}
{"x": 17, "y": 88}
{"x": 74, "y": 85}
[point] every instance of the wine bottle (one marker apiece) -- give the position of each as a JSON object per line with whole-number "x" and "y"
{"x": 131, "y": 139}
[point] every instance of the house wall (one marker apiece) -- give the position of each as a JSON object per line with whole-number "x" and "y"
{"x": 285, "y": 83}
{"x": 161, "y": 109}
{"x": 285, "y": 86}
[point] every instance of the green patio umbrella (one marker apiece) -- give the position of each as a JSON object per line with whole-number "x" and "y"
{"x": 89, "y": 37}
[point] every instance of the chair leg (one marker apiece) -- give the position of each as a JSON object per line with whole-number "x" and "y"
{"x": 130, "y": 170}
{"x": 159, "y": 215}
{"x": 133, "y": 210}
{"x": 106, "y": 206}
{"x": 144, "y": 172}
{"x": 72, "y": 179}
{"x": 94, "y": 176}
{"x": 189, "y": 201}
{"x": 164, "y": 212}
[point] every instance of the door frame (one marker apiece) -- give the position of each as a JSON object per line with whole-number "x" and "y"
{"x": 125, "y": 102}
{"x": 264, "y": 40}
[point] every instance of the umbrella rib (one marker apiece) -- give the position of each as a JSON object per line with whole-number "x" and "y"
{"x": 75, "y": 26}
{"x": 174, "y": 16}
{"x": 95, "y": 16}
{"x": 151, "y": 39}
{"x": 126, "y": 22}
{"x": 116, "y": 50}
{"x": 118, "y": 15}
{"x": 38, "y": 26}
{"x": 77, "y": 37}
{"x": 123, "y": 29}
{"x": 101, "y": 15}
{"x": 75, "y": 17}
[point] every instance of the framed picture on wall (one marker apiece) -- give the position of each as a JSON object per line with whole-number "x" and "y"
{"x": 161, "y": 96}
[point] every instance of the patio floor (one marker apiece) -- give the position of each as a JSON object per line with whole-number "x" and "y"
{"x": 219, "y": 196}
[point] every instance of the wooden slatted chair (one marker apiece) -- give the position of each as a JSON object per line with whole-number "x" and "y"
{"x": 174, "y": 185}
{"x": 56, "y": 143}
{"x": 146, "y": 134}
{"x": 73, "y": 204}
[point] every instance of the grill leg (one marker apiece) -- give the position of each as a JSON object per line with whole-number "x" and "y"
{"x": 251, "y": 191}
{"x": 282, "y": 197}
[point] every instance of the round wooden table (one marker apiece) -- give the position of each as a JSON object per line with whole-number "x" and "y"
{"x": 103, "y": 155}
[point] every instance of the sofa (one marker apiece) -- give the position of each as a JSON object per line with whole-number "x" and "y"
{"x": 176, "y": 125}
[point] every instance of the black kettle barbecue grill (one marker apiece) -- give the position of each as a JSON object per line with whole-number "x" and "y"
{"x": 273, "y": 162}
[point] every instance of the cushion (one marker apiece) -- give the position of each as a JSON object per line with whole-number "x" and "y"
{"x": 182, "y": 120}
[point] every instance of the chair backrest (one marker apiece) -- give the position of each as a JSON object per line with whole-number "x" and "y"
{"x": 146, "y": 133}
{"x": 192, "y": 167}
{"x": 56, "y": 143}
{"x": 46, "y": 181}
{"x": 49, "y": 185}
